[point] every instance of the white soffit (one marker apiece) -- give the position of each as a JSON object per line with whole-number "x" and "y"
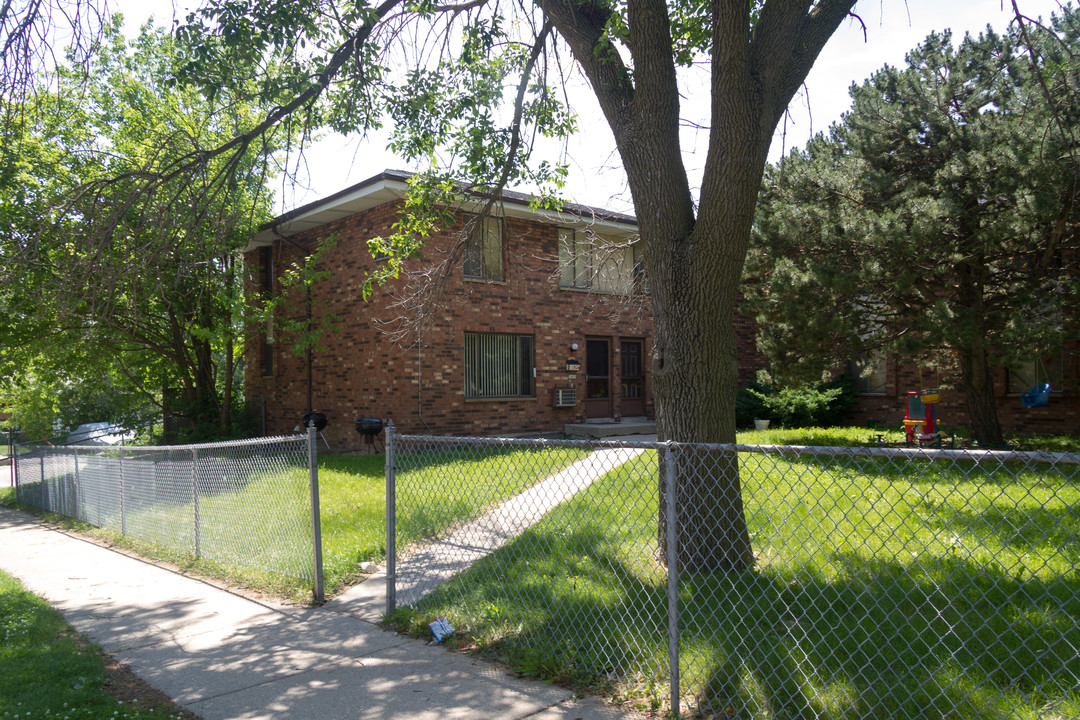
{"x": 356, "y": 200}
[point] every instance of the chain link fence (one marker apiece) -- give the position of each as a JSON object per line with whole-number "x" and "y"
{"x": 247, "y": 503}
{"x": 753, "y": 581}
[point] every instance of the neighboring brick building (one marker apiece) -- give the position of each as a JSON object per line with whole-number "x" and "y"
{"x": 884, "y": 402}
{"x": 527, "y": 298}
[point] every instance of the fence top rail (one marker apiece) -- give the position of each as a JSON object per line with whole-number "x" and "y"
{"x": 978, "y": 455}
{"x": 257, "y": 442}
{"x": 997, "y": 456}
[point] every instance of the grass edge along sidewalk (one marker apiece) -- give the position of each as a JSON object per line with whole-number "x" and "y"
{"x": 40, "y": 650}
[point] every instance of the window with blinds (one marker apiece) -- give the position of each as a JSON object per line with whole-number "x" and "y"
{"x": 498, "y": 366}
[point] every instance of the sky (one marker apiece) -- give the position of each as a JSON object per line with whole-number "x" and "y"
{"x": 892, "y": 29}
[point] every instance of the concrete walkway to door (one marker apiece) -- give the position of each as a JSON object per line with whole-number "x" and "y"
{"x": 421, "y": 572}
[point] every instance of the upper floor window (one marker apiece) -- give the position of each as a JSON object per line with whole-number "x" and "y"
{"x": 483, "y": 256}
{"x": 588, "y": 261}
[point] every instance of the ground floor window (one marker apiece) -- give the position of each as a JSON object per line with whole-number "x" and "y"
{"x": 1047, "y": 368}
{"x": 869, "y": 372}
{"x": 498, "y": 365}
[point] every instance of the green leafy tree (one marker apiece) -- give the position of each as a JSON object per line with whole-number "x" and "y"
{"x": 470, "y": 87}
{"x": 52, "y": 390}
{"x": 938, "y": 220}
{"x": 147, "y": 278}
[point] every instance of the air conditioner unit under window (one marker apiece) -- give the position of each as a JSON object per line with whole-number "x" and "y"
{"x": 565, "y": 397}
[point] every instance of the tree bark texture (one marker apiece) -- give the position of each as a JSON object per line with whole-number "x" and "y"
{"x": 979, "y": 393}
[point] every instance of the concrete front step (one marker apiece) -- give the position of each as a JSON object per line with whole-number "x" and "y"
{"x": 610, "y": 428}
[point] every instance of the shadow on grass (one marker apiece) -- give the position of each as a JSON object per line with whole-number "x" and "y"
{"x": 948, "y": 638}
{"x": 1018, "y": 528}
{"x": 928, "y": 637}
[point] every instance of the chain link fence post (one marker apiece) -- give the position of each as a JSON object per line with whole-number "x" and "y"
{"x": 44, "y": 481}
{"x": 11, "y": 454}
{"x": 670, "y": 478}
{"x": 123, "y": 513}
{"x": 391, "y": 520}
{"x": 15, "y": 464}
{"x": 77, "y": 506}
{"x": 316, "y": 526}
{"x": 195, "y": 496}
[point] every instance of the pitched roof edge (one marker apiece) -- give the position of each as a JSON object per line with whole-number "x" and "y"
{"x": 391, "y": 177}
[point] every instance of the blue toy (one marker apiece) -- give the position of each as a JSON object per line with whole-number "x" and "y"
{"x": 1038, "y": 396}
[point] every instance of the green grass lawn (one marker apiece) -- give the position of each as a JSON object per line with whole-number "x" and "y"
{"x": 881, "y": 590}
{"x": 47, "y": 670}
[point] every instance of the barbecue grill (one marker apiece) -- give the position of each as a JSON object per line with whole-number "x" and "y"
{"x": 369, "y": 427}
{"x": 315, "y": 418}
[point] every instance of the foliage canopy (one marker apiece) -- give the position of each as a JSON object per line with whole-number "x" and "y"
{"x": 110, "y": 286}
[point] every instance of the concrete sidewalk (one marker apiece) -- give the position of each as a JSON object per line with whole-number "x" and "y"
{"x": 221, "y": 655}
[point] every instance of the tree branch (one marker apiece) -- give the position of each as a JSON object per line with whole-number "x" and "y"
{"x": 519, "y": 107}
{"x": 583, "y": 26}
{"x": 241, "y": 142}
{"x": 787, "y": 41}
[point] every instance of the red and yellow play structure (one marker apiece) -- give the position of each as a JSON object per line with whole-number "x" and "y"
{"x": 920, "y": 421}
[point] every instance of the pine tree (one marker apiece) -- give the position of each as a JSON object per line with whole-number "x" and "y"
{"x": 936, "y": 220}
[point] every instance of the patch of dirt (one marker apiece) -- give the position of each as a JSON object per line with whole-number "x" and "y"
{"x": 128, "y": 688}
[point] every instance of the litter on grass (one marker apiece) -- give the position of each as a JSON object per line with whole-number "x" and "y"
{"x": 441, "y": 629}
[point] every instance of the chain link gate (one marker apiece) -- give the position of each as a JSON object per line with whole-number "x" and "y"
{"x": 878, "y": 582}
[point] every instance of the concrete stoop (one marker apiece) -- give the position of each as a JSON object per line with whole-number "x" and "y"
{"x": 608, "y": 427}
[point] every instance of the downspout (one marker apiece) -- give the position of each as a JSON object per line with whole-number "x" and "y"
{"x": 307, "y": 302}
{"x": 420, "y": 371}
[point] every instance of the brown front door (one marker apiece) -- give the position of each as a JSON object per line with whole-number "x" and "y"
{"x": 632, "y": 377}
{"x": 597, "y": 378}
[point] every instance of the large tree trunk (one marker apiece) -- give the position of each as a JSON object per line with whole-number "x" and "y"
{"x": 225, "y": 418}
{"x": 694, "y": 256}
{"x": 694, "y": 376}
{"x": 975, "y": 375}
{"x": 695, "y": 364}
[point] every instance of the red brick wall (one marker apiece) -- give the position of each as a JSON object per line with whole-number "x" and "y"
{"x": 750, "y": 358}
{"x": 360, "y": 371}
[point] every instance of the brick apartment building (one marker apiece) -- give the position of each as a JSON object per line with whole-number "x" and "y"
{"x": 515, "y": 323}
{"x": 540, "y": 320}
